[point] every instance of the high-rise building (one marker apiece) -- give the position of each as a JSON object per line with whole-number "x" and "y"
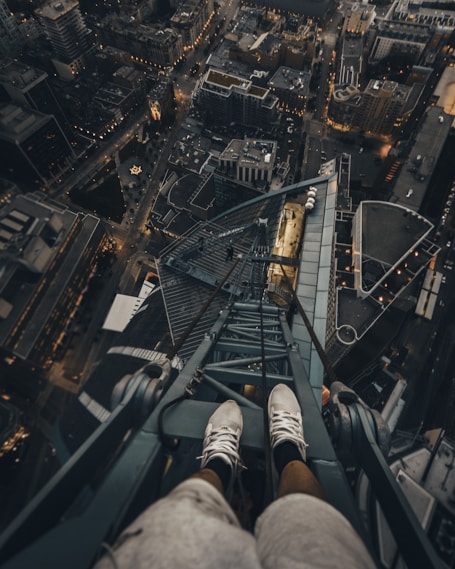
{"x": 359, "y": 17}
{"x": 250, "y": 161}
{"x": 191, "y": 18}
{"x": 292, "y": 88}
{"x": 28, "y": 87}
{"x": 406, "y": 38}
{"x": 306, "y": 7}
{"x": 351, "y": 60}
{"x": 33, "y": 147}
{"x": 10, "y": 37}
{"x": 385, "y": 105}
{"x": 147, "y": 45}
{"x": 224, "y": 98}
{"x": 379, "y": 109}
{"x": 160, "y": 97}
{"x": 69, "y": 36}
{"x": 47, "y": 254}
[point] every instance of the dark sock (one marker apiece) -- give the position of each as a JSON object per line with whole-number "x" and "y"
{"x": 284, "y": 453}
{"x": 223, "y": 470}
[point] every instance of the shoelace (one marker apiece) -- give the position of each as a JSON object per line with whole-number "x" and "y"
{"x": 286, "y": 426}
{"x": 222, "y": 441}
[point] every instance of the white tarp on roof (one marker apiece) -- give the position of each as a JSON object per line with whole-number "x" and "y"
{"x": 124, "y": 308}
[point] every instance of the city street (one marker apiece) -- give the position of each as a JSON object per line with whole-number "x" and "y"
{"x": 304, "y": 143}
{"x": 131, "y": 235}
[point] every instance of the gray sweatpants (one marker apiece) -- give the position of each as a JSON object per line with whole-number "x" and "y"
{"x": 194, "y": 527}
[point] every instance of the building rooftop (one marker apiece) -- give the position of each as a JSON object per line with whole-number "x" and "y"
{"x": 224, "y": 79}
{"x": 160, "y": 85}
{"x": 402, "y": 226}
{"x": 257, "y": 91}
{"x": 289, "y": 79}
{"x": 426, "y": 477}
{"x": 112, "y": 94}
{"x": 190, "y": 155}
{"x": 373, "y": 272}
{"x": 181, "y": 192}
{"x": 432, "y": 133}
{"x": 251, "y": 153}
{"x": 266, "y": 43}
{"x": 56, "y": 9}
{"x": 358, "y": 18}
{"x": 351, "y": 60}
{"x": 17, "y": 124}
{"x": 154, "y": 35}
{"x": 307, "y": 7}
{"x": 203, "y": 196}
{"x": 19, "y": 74}
{"x": 32, "y": 235}
{"x": 445, "y": 91}
{"x": 187, "y": 12}
{"x": 346, "y": 92}
{"x": 220, "y": 60}
{"x": 404, "y": 31}
{"x": 378, "y": 87}
{"x": 352, "y": 47}
{"x": 425, "y": 14}
{"x": 173, "y": 210}
{"x": 225, "y": 82}
{"x": 127, "y": 73}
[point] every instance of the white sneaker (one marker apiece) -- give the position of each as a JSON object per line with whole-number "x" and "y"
{"x": 222, "y": 435}
{"x": 285, "y": 419}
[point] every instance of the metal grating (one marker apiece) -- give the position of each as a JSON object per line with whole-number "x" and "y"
{"x": 191, "y": 269}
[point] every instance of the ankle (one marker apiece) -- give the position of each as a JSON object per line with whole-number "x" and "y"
{"x": 222, "y": 469}
{"x": 211, "y": 477}
{"x": 285, "y": 453}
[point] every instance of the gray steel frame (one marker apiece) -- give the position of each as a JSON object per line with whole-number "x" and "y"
{"x": 44, "y": 534}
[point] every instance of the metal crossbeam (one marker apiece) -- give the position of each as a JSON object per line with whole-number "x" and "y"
{"x": 137, "y": 477}
{"x": 413, "y": 542}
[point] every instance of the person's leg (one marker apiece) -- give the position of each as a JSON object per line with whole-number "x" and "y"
{"x": 211, "y": 477}
{"x": 288, "y": 444}
{"x": 300, "y": 529}
{"x": 297, "y": 478}
{"x": 194, "y": 526}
